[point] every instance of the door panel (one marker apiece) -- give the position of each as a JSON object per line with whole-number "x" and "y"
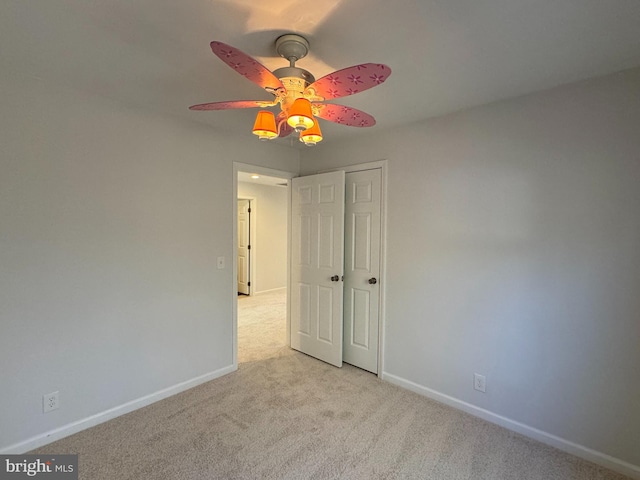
{"x": 361, "y": 241}
{"x": 304, "y": 312}
{"x": 325, "y": 313}
{"x": 243, "y": 246}
{"x": 317, "y": 255}
{"x": 325, "y": 244}
{"x": 305, "y": 240}
{"x": 362, "y": 263}
{"x": 360, "y": 312}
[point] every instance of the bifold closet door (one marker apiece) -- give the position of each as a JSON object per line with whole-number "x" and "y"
{"x": 317, "y": 260}
{"x": 362, "y": 269}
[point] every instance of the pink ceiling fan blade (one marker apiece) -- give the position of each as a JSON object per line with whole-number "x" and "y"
{"x": 247, "y": 66}
{"x": 285, "y": 129}
{"x": 231, "y": 105}
{"x": 344, "y": 115}
{"x": 350, "y": 80}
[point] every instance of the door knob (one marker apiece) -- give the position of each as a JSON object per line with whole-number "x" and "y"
{"x": 335, "y": 278}
{"x": 373, "y": 281}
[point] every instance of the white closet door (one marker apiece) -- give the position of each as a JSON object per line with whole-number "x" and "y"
{"x": 362, "y": 269}
{"x": 317, "y": 259}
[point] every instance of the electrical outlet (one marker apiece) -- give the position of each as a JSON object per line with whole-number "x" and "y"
{"x": 479, "y": 382}
{"x": 220, "y": 263}
{"x": 50, "y": 401}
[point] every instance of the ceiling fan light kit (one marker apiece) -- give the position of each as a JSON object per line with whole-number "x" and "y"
{"x": 265, "y": 125}
{"x": 300, "y": 116}
{"x": 301, "y": 97}
{"x": 311, "y": 136}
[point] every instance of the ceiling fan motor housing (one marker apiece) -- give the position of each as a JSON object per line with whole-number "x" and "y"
{"x": 295, "y": 81}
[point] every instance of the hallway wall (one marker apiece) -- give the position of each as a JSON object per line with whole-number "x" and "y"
{"x": 269, "y": 253}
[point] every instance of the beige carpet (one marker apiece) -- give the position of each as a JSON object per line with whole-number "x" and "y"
{"x": 284, "y": 415}
{"x": 262, "y": 326}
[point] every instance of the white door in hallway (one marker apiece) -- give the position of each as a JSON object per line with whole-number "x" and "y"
{"x": 362, "y": 269}
{"x": 244, "y": 251}
{"x": 317, "y": 260}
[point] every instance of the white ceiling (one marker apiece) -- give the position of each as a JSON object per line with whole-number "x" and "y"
{"x": 262, "y": 179}
{"x": 446, "y": 55}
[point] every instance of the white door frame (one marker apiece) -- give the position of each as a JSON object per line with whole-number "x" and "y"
{"x": 248, "y": 168}
{"x": 382, "y": 165}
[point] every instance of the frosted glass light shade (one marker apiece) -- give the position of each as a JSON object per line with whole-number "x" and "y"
{"x": 312, "y": 135}
{"x": 265, "y": 125}
{"x": 300, "y": 116}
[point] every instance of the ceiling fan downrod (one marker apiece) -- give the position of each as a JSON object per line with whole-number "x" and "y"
{"x": 295, "y": 80}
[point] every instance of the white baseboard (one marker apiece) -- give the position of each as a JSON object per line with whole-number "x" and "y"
{"x": 271, "y": 290}
{"x": 77, "y": 426}
{"x": 581, "y": 451}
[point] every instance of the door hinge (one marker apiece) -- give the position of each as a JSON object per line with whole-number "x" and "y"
{"x": 248, "y": 247}
{"x": 248, "y": 284}
{"x": 249, "y": 210}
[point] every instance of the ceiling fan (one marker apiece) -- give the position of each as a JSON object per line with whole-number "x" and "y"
{"x": 301, "y": 97}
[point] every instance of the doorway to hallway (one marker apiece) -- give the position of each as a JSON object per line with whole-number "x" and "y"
{"x": 261, "y": 270}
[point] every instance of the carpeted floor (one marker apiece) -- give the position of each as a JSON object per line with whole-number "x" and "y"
{"x": 262, "y": 326}
{"x": 284, "y": 415}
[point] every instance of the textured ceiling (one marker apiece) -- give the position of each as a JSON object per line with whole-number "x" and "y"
{"x": 446, "y": 55}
